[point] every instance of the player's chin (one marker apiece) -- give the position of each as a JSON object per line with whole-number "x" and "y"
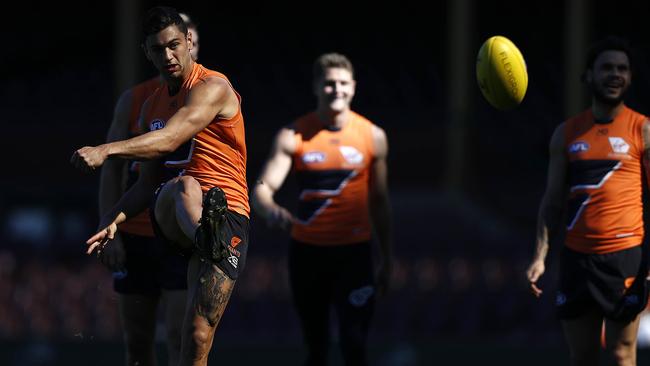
{"x": 338, "y": 105}
{"x": 611, "y": 97}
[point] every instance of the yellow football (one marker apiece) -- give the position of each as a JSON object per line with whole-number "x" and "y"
{"x": 501, "y": 73}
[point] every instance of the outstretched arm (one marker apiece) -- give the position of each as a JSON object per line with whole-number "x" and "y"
{"x": 380, "y": 210}
{"x": 134, "y": 201}
{"x": 274, "y": 173}
{"x": 212, "y": 98}
{"x": 551, "y": 208}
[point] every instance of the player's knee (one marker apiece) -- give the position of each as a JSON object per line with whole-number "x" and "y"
{"x": 187, "y": 185}
{"x": 202, "y": 340}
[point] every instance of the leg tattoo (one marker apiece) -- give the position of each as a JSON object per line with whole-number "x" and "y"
{"x": 212, "y": 293}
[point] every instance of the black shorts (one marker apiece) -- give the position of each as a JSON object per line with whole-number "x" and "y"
{"x": 237, "y": 228}
{"x": 150, "y": 267}
{"x": 339, "y": 277}
{"x": 341, "y": 274}
{"x": 615, "y": 283}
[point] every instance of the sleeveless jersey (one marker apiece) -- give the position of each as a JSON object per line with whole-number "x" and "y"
{"x": 139, "y": 224}
{"x": 216, "y": 156}
{"x": 332, "y": 168}
{"x": 605, "y": 176}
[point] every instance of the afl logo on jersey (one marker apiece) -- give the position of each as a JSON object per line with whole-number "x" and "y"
{"x": 156, "y": 124}
{"x": 313, "y": 157}
{"x": 619, "y": 145}
{"x": 351, "y": 154}
{"x": 578, "y": 146}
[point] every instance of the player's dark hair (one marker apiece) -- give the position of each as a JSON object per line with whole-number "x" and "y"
{"x": 329, "y": 60}
{"x": 609, "y": 43}
{"x": 161, "y": 17}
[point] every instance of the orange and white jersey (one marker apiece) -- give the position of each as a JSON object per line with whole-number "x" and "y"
{"x": 333, "y": 170}
{"x": 216, "y": 156}
{"x": 139, "y": 95}
{"x": 141, "y": 223}
{"x": 605, "y": 177}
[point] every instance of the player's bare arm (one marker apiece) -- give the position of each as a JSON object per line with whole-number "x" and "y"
{"x": 111, "y": 182}
{"x": 212, "y": 98}
{"x": 646, "y": 157}
{"x": 551, "y": 207}
{"x": 134, "y": 201}
{"x": 646, "y": 149}
{"x": 380, "y": 210}
{"x": 273, "y": 175}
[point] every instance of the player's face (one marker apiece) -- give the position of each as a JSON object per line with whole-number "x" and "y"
{"x": 336, "y": 89}
{"x": 195, "y": 43}
{"x": 169, "y": 52}
{"x": 610, "y": 77}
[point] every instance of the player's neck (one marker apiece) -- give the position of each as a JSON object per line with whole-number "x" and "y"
{"x": 606, "y": 112}
{"x": 175, "y": 84}
{"x": 333, "y": 119}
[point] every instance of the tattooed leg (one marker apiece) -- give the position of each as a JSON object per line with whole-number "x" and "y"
{"x": 209, "y": 293}
{"x": 212, "y": 293}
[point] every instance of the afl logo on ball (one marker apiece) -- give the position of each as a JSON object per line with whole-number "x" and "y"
{"x": 156, "y": 124}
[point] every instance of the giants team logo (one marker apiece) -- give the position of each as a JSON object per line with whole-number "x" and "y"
{"x": 233, "y": 243}
{"x": 156, "y": 124}
{"x": 578, "y": 146}
{"x": 619, "y": 145}
{"x": 351, "y": 154}
{"x": 360, "y": 296}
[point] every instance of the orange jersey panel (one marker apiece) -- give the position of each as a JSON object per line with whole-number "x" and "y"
{"x": 217, "y": 155}
{"x": 333, "y": 169}
{"x": 605, "y": 210}
{"x": 141, "y": 223}
{"x": 139, "y": 95}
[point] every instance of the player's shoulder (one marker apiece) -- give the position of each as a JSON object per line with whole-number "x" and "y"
{"x": 212, "y": 83}
{"x": 558, "y": 138}
{"x": 304, "y": 122}
{"x": 378, "y": 133}
{"x": 146, "y": 87}
{"x": 202, "y": 73}
{"x": 361, "y": 119}
{"x": 285, "y": 139}
{"x": 636, "y": 116}
{"x": 632, "y": 111}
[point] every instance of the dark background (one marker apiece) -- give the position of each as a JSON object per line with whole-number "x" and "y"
{"x": 462, "y": 242}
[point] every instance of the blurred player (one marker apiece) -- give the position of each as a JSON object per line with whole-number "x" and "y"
{"x": 339, "y": 158}
{"x": 595, "y": 178}
{"x": 196, "y": 126}
{"x": 145, "y": 273}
